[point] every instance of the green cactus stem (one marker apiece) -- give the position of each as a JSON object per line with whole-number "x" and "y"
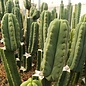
{"x": 33, "y": 41}
{"x": 39, "y": 58}
{"x": 44, "y": 6}
{"x": 45, "y": 20}
{"x": 77, "y": 54}
{"x": 52, "y": 68}
{"x": 10, "y": 32}
{"x": 9, "y": 6}
{"x": 27, "y": 4}
{"x": 11, "y": 68}
{"x": 61, "y": 10}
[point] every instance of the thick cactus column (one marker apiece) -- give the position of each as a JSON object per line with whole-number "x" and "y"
{"x": 11, "y": 34}
{"x": 45, "y": 20}
{"x": 54, "y": 58}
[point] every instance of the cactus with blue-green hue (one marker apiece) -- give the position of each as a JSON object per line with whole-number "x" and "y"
{"x": 45, "y": 20}
{"x": 9, "y": 6}
{"x": 78, "y": 46}
{"x": 32, "y": 82}
{"x": 11, "y": 34}
{"x": 44, "y": 6}
{"x": 55, "y": 49}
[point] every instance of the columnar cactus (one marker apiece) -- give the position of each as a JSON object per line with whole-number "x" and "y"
{"x": 33, "y": 41}
{"x": 11, "y": 34}
{"x": 10, "y": 31}
{"x": 44, "y": 6}
{"x": 54, "y": 13}
{"x": 55, "y": 49}
{"x": 45, "y": 20}
{"x": 9, "y": 6}
{"x": 2, "y": 6}
{"x": 77, "y": 54}
{"x": 34, "y": 13}
{"x": 61, "y": 10}
{"x": 69, "y": 9}
{"x": 27, "y": 33}
{"x": 27, "y": 4}
{"x": 16, "y": 11}
{"x": 78, "y": 12}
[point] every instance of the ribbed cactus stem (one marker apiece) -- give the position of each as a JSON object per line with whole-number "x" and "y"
{"x": 39, "y": 58}
{"x": 33, "y": 41}
{"x": 2, "y": 6}
{"x": 9, "y": 6}
{"x": 78, "y": 48}
{"x": 52, "y": 69}
{"x": 11, "y": 68}
{"x": 44, "y": 6}
{"x": 45, "y": 20}
{"x": 61, "y": 10}
{"x": 10, "y": 29}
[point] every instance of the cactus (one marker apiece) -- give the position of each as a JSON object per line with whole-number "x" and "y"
{"x": 33, "y": 41}
{"x": 39, "y": 58}
{"x": 17, "y": 3}
{"x": 9, "y": 6}
{"x": 34, "y": 13}
{"x": 77, "y": 54}
{"x": 61, "y": 10}
{"x": 45, "y": 20}
{"x": 44, "y": 6}
{"x": 54, "y": 13}
{"x": 27, "y": 33}
{"x": 73, "y": 20}
{"x": 10, "y": 31}
{"x": 52, "y": 68}
{"x": 69, "y": 8}
{"x": 2, "y": 7}
{"x": 31, "y": 82}
{"x": 78, "y": 12}
{"x": 16, "y": 11}
{"x": 27, "y": 4}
